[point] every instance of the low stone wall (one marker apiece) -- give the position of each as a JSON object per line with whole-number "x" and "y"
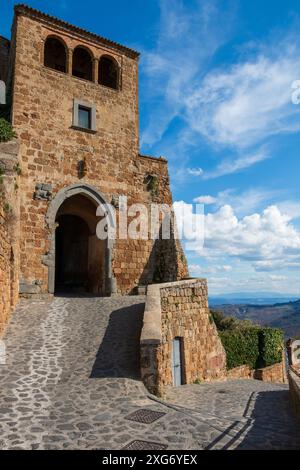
{"x": 241, "y": 372}
{"x": 273, "y": 374}
{"x": 294, "y": 384}
{"x": 180, "y": 310}
{"x": 9, "y": 231}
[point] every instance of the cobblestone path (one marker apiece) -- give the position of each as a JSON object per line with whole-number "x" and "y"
{"x": 71, "y": 379}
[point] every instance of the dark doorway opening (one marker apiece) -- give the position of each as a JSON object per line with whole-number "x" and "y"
{"x": 72, "y": 243}
{"x": 81, "y": 258}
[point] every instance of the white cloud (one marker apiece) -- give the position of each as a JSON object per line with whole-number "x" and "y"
{"x": 277, "y": 265}
{"x": 199, "y": 270}
{"x": 195, "y": 171}
{"x": 205, "y": 200}
{"x": 172, "y": 67}
{"x": 277, "y": 278}
{"x": 250, "y": 101}
{"x": 249, "y": 200}
{"x": 260, "y": 237}
{"x": 236, "y": 107}
{"x": 229, "y": 166}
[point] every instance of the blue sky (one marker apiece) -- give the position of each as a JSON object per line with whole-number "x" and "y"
{"x": 215, "y": 99}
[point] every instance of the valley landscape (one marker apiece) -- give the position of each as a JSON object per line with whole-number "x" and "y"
{"x": 284, "y": 314}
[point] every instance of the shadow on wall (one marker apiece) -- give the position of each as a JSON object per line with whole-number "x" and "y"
{"x": 163, "y": 263}
{"x": 119, "y": 352}
{"x": 271, "y": 426}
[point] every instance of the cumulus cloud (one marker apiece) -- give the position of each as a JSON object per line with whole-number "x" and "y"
{"x": 260, "y": 238}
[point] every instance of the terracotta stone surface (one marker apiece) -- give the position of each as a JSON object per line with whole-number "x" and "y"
{"x": 275, "y": 373}
{"x": 180, "y": 310}
{"x": 272, "y": 374}
{"x": 51, "y": 151}
{"x": 241, "y": 372}
{"x": 9, "y": 230}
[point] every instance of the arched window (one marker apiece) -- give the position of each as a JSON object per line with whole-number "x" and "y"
{"x": 55, "y": 55}
{"x": 108, "y": 72}
{"x": 82, "y": 64}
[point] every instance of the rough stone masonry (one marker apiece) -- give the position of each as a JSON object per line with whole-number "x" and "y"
{"x": 54, "y": 71}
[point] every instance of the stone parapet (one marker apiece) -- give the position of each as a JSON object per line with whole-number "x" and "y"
{"x": 294, "y": 384}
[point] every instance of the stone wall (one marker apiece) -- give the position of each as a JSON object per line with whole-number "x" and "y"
{"x": 9, "y": 231}
{"x": 181, "y": 310}
{"x": 273, "y": 374}
{"x": 241, "y": 372}
{"x": 294, "y": 384}
{"x": 51, "y": 150}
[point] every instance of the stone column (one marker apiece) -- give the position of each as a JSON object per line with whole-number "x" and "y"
{"x": 70, "y": 61}
{"x": 95, "y": 70}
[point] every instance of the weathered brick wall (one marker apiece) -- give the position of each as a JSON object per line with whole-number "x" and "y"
{"x": 4, "y": 58}
{"x": 180, "y": 310}
{"x": 9, "y": 231}
{"x": 51, "y": 149}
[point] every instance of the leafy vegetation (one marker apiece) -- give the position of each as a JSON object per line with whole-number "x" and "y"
{"x": 242, "y": 347}
{"x": 6, "y": 131}
{"x": 248, "y": 344}
{"x": 271, "y": 346}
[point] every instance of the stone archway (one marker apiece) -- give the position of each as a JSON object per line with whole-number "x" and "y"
{"x": 66, "y": 202}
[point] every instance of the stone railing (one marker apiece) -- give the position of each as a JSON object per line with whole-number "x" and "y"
{"x": 179, "y": 310}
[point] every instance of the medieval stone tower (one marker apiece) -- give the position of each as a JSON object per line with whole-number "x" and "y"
{"x": 74, "y": 108}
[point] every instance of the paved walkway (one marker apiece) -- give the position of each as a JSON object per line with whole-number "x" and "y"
{"x": 71, "y": 380}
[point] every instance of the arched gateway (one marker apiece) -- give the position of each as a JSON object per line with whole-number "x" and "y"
{"x": 77, "y": 260}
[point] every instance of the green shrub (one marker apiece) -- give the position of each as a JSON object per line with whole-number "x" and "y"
{"x": 6, "y": 131}
{"x": 271, "y": 341}
{"x": 242, "y": 347}
{"x": 255, "y": 347}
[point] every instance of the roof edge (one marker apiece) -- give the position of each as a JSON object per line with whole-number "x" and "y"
{"x": 22, "y": 9}
{"x": 156, "y": 159}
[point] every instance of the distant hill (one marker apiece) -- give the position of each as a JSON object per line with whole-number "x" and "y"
{"x": 253, "y": 298}
{"x": 280, "y": 315}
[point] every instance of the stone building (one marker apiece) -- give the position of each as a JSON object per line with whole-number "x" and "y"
{"x": 74, "y": 108}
